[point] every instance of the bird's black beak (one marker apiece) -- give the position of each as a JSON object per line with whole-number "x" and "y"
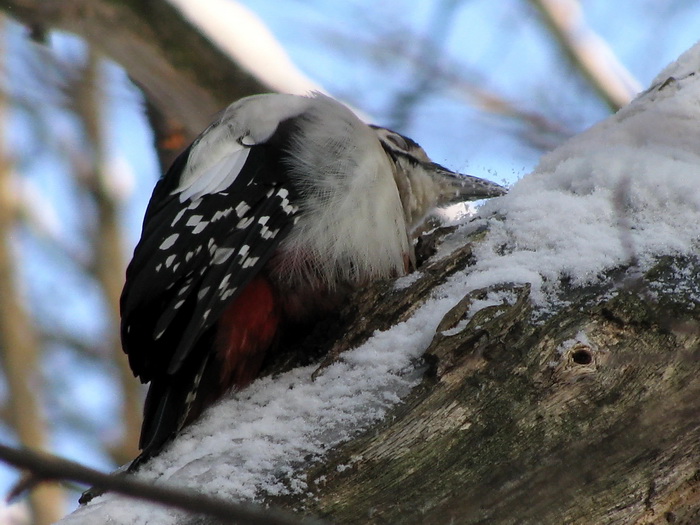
{"x": 465, "y": 187}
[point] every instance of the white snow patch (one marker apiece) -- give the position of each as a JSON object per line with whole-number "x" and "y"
{"x": 407, "y": 280}
{"x": 252, "y": 444}
{"x": 237, "y": 31}
{"x": 581, "y": 338}
{"x": 627, "y": 190}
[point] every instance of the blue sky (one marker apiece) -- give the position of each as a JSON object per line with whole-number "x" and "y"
{"x": 328, "y": 43}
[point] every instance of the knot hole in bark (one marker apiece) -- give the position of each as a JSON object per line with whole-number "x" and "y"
{"x": 582, "y": 356}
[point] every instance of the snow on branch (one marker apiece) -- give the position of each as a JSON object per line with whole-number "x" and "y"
{"x": 45, "y": 467}
{"x": 568, "y": 222}
{"x": 238, "y": 32}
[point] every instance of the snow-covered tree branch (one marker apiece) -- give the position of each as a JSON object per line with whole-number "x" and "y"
{"x": 562, "y": 366}
{"x": 541, "y": 366}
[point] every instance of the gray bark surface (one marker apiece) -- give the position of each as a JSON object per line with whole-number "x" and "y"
{"x": 512, "y": 424}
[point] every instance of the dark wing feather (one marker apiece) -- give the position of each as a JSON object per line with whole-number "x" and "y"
{"x": 193, "y": 259}
{"x": 234, "y": 264}
{"x": 172, "y": 296}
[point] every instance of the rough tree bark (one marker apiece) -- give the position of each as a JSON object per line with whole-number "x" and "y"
{"x": 512, "y": 424}
{"x": 586, "y": 416}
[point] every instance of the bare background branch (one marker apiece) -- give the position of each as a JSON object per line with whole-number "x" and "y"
{"x": 46, "y": 468}
{"x": 587, "y": 52}
{"x": 19, "y": 343}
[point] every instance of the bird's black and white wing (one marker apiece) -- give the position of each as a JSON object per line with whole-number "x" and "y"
{"x": 213, "y": 221}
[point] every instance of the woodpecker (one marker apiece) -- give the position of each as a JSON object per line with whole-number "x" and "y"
{"x": 270, "y": 217}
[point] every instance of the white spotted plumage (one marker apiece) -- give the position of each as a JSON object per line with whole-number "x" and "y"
{"x": 296, "y": 189}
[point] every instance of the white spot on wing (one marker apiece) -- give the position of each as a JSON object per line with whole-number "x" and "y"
{"x": 168, "y": 242}
{"x": 194, "y": 220}
{"x": 244, "y": 223}
{"x": 200, "y": 227}
{"x": 242, "y": 209}
{"x": 224, "y": 282}
{"x": 221, "y": 214}
{"x": 169, "y": 261}
{"x": 250, "y": 261}
{"x": 228, "y": 293}
{"x": 286, "y": 206}
{"x": 268, "y": 234}
{"x": 178, "y": 216}
{"x": 222, "y": 255}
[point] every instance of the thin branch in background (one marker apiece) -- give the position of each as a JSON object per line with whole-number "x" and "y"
{"x": 107, "y": 242}
{"x": 430, "y": 54}
{"x": 45, "y": 467}
{"x": 541, "y": 132}
{"x": 245, "y": 39}
{"x": 588, "y": 52}
{"x": 18, "y": 341}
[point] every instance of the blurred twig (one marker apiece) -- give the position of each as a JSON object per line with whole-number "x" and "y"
{"x": 430, "y": 55}
{"x": 45, "y": 467}
{"x": 587, "y": 52}
{"x": 449, "y": 74}
{"x": 107, "y": 241}
{"x": 18, "y": 341}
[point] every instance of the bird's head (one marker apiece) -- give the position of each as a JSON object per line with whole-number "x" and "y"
{"x": 423, "y": 184}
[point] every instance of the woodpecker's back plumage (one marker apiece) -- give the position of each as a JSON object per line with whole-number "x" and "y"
{"x": 270, "y": 216}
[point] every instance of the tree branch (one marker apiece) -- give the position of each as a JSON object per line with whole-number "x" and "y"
{"x": 19, "y": 343}
{"x": 514, "y": 422}
{"x": 587, "y": 52}
{"x": 107, "y": 243}
{"x": 187, "y": 77}
{"x": 45, "y": 467}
